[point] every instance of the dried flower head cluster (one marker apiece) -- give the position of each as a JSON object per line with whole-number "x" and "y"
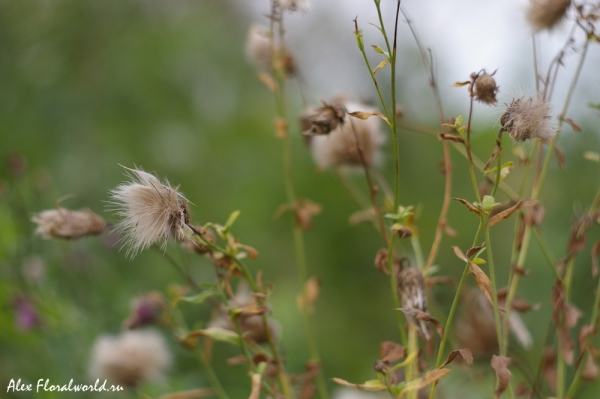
{"x": 411, "y": 289}
{"x": 323, "y": 120}
{"x": 546, "y": 14}
{"x": 250, "y": 322}
{"x": 130, "y": 358}
{"x": 294, "y": 5}
{"x": 486, "y": 89}
{"x": 348, "y": 143}
{"x": 151, "y": 211}
{"x": 64, "y": 223}
{"x": 261, "y": 48}
{"x": 528, "y": 118}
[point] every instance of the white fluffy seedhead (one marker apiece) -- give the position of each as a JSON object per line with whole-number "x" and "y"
{"x": 150, "y": 211}
{"x": 528, "y": 118}
{"x": 130, "y": 358}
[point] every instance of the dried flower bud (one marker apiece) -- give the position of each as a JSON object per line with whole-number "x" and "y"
{"x": 546, "y": 14}
{"x": 528, "y": 118}
{"x": 260, "y": 48}
{"x": 151, "y": 211}
{"x": 130, "y": 358}
{"x": 324, "y": 119}
{"x": 64, "y": 223}
{"x": 380, "y": 367}
{"x": 294, "y": 5}
{"x": 350, "y": 143}
{"x": 486, "y": 89}
{"x": 145, "y": 310}
{"x": 411, "y": 289}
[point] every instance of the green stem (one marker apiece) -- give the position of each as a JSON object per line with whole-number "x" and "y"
{"x": 212, "y": 376}
{"x": 453, "y": 307}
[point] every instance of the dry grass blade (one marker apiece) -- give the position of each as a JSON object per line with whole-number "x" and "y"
{"x": 500, "y": 365}
{"x": 506, "y": 213}
{"x": 463, "y": 353}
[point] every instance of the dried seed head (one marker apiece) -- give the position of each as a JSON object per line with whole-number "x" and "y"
{"x": 294, "y": 5}
{"x": 546, "y": 14}
{"x": 486, "y": 89}
{"x": 260, "y": 48}
{"x": 64, "y": 223}
{"x": 528, "y": 118}
{"x": 411, "y": 289}
{"x": 323, "y": 120}
{"x": 251, "y": 324}
{"x": 151, "y": 211}
{"x": 350, "y": 143}
{"x": 130, "y": 358}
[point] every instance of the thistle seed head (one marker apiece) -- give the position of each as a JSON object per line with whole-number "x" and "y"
{"x": 349, "y": 143}
{"x": 130, "y": 358}
{"x": 259, "y": 50}
{"x": 411, "y": 290}
{"x": 546, "y": 14}
{"x": 324, "y": 119}
{"x": 150, "y": 211}
{"x": 528, "y": 118}
{"x": 486, "y": 89}
{"x": 64, "y": 223}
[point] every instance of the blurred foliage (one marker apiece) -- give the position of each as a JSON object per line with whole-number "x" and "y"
{"x": 86, "y": 85}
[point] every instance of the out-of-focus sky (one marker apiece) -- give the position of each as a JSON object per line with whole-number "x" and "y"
{"x": 464, "y": 36}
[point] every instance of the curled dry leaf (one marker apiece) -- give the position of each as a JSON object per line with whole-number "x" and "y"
{"x": 506, "y": 214}
{"x": 548, "y": 367}
{"x": 428, "y": 378}
{"x": 500, "y": 365}
{"x": 463, "y": 353}
{"x": 420, "y": 315}
{"x": 520, "y": 270}
{"x": 372, "y": 385}
{"x": 497, "y": 150}
{"x": 468, "y": 205}
{"x": 519, "y": 304}
{"x": 390, "y": 351}
{"x": 473, "y": 250}
{"x": 447, "y": 280}
{"x": 535, "y": 215}
{"x": 574, "y": 126}
{"x": 590, "y": 369}
{"x": 582, "y": 337}
{"x": 451, "y": 137}
{"x": 366, "y": 115}
{"x": 483, "y": 282}
{"x": 560, "y": 156}
{"x": 565, "y": 317}
{"x": 255, "y": 393}
{"x": 268, "y": 81}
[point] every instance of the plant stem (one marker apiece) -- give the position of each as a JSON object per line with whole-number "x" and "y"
{"x": 212, "y": 376}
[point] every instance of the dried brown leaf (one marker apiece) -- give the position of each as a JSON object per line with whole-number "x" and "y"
{"x": 520, "y": 270}
{"x": 420, "y": 315}
{"x": 585, "y": 332}
{"x": 366, "y": 115}
{"x": 468, "y": 205}
{"x": 560, "y": 157}
{"x": 255, "y": 393}
{"x": 381, "y": 65}
{"x": 505, "y": 214}
{"x": 460, "y": 84}
{"x": 451, "y": 137}
{"x": 549, "y": 367}
{"x": 463, "y": 353}
{"x": 590, "y": 369}
{"x": 428, "y": 378}
{"x": 236, "y": 360}
{"x": 447, "y": 280}
{"x": 595, "y": 254}
{"x": 473, "y": 250}
{"x": 500, "y": 365}
{"x": 483, "y": 282}
{"x": 574, "y": 126}
{"x": 497, "y": 150}
{"x": 390, "y": 351}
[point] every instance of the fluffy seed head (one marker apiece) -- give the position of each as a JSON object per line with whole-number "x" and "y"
{"x": 130, "y": 358}
{"x": 259, "y": 50}
{"x": 294, "y": 5}
{"x": 323, "y": 120}
{"x": 486, "y": 89}
{"x": 546, "y": 14}
{"x": 151, "y": 211}
{"x": 528, "y": 118}
{"x": 340, "y": 148}
{"x": 64, "y": 223}
{"x": 411, "y": 290}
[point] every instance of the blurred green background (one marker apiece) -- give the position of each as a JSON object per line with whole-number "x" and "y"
{"x": 86, "y": 85}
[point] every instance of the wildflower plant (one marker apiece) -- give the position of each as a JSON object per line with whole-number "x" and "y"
{"x": 345, "y": 138}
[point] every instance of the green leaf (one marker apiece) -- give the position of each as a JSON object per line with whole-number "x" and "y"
{"x": 198, "y": 298}
{"x": 592, "y": 156}
{"x": 488, "y": 203}
{"x": 458, "y": 121}
{"x": 230, "y": 221}
{"x": 479, "y": 261}
{"x": 218, "y": 334}
{"x": 393, "y": 216}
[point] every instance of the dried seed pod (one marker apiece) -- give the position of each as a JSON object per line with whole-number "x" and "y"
{"x": 64, "y": 223}
{"x": 411, "y": 289}
{"x": 486, "y": 89}
{"x": 546, "y": 14}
